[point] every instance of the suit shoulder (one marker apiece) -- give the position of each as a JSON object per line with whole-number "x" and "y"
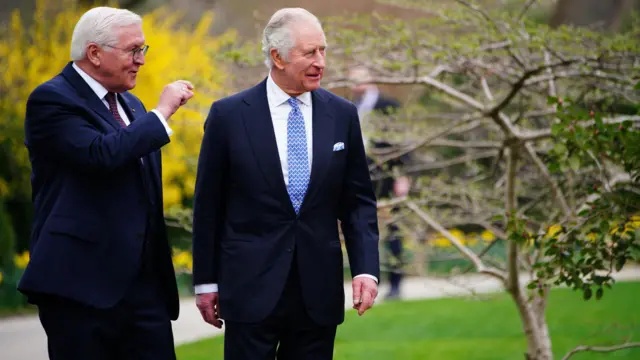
{"x": 230, "y": 101}
{"x": 49, "y": 87}
{"x": 51, "y": 92}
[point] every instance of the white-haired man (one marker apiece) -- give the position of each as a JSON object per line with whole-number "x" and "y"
{"x": 280, "y": 164}
{"x": 100, "y": 270}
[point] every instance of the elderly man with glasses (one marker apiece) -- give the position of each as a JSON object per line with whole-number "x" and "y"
{"x": 100, "y": 271}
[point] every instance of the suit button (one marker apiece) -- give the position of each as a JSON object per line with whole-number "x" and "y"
{"x": 289, "y": 249}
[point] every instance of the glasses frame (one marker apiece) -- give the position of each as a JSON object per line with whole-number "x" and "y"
{"x": 135, "y": 53}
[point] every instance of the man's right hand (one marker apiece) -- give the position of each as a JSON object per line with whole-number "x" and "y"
{"x": 173, "y": 96}
{"x": 209, "y": 308}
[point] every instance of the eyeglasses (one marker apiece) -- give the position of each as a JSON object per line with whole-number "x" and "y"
{"x": 135, "y": 53}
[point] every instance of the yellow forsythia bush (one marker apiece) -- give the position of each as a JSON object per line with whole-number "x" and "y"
{"x": 30, "y": 56}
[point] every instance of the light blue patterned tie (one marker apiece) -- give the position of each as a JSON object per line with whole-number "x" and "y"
{"x": 297, "y": 158}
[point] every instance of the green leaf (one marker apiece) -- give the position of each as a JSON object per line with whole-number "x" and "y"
{"x": 620, "y": 263}
{"x": 587, "y": 293}
{"x": 599, "y": 293}
{"x": 574, "y": 163}
{"x": 556, "y": 129}
{"x": 559, "y": 149}
{"x": 554, "y": 99}
{"x": 637, "y": 87}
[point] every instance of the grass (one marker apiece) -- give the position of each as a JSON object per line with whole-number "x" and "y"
{"x": 487, "y": 329}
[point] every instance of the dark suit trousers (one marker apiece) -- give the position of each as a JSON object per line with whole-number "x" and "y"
{"x": 137, "y": 328}
{"x": 287, "y": 332}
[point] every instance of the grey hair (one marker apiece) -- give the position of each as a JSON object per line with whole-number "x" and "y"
{"x": 100, "y": 25}
{"x": 278, "y": 34}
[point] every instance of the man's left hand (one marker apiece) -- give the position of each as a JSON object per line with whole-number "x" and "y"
{"x": 365, "y": 291}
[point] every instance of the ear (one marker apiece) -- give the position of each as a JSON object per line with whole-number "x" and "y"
{"x": 278, "y": 61}
{"x": 94, "y": 54}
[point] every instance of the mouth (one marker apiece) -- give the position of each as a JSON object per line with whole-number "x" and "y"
{"x": 314, "y": 76}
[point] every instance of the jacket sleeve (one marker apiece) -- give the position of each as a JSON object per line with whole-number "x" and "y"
{"x": 358, "y": 209}
{"x": 60, "y": 131}
{"x": 209, "y": 200}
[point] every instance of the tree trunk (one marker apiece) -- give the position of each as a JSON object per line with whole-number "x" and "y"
{"x": 531, "y": 310}
{"x": 535, "y": 328}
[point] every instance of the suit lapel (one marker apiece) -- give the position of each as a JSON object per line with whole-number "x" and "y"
{"x": 259, "y": 127}
{"x": 323, "y": 129}
{"x": 90, "y": 97}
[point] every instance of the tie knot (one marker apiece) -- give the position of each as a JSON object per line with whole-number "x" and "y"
{"x": 293, "y": 102}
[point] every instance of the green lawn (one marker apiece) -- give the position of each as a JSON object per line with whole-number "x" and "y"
{"x": 488, "y": 329}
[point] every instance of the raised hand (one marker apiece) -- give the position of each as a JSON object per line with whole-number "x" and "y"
{"x": 173, "y": 96}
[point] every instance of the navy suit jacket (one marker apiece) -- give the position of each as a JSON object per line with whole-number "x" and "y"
{"x": 92, "y": 195}
{"x": 245, "y": 230}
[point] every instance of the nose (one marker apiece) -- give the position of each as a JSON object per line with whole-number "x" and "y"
{"x": 139, "y": 59}
{"x": 319, "y": 62}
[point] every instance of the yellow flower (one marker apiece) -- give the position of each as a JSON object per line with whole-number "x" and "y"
{"x": 1, "y": 277}
{"x": 553, "y": 230}
{"x": 21, "y": 260}
{"x": 441, "y": 241}
{"x": 457, "y": 234}
{"x": 592, "y": 236}
{"x": 634, "y": 222}
{"x": 183, "y": 260}
{"x": 487, "y": 236}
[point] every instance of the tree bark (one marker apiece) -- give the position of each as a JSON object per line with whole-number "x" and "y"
{"x": 532, "y": 312}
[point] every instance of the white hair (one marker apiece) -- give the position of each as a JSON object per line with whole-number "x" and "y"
{"x": 278, "y": 34}
{"x": 100, "y": 25}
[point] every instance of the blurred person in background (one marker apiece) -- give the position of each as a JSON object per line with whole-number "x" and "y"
{"x": 280, "y": 164}
{"x": 368, "y": 98}
{"x": 100, "y": 270}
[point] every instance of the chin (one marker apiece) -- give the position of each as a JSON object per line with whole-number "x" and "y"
{"x": 310, "y": 86}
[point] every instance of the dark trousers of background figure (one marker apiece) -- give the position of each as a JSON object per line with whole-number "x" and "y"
{"x": 396, "y": 262}
{"x": 288, "y": 332}
{"x": 137, "y": 328}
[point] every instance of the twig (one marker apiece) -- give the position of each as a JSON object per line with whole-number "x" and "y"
{"x": 601, "y": 349}
{"x": 525, "y": 9}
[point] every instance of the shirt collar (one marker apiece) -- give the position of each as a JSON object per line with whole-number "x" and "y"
{"x": 276, "y": 96}
{"x": 97, "y": 88}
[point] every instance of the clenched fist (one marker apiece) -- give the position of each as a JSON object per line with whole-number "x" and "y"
{"x": 173, "y": 96}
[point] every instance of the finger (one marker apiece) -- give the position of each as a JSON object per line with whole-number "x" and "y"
{"x": 367, "y": 302}
{"x": 211, "y": 316}
{"x": 357, "y": 292}
{"x": 187, "y": 84}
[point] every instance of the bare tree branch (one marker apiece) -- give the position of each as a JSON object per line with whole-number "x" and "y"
{"x": 601, "y": 349}
{"x": 547, "y": 176}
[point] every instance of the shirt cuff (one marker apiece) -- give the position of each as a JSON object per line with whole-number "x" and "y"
{"x": 206, "y": 288}
{"x": 163, "y": 121}
{"x": 368, "y": 276}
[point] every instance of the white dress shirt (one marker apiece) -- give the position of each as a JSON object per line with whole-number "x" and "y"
{"x": 279, "y": 109}
{"x": 101, "y": 92}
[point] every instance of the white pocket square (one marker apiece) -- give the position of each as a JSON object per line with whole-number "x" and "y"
{"x": 338, "y": 146}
